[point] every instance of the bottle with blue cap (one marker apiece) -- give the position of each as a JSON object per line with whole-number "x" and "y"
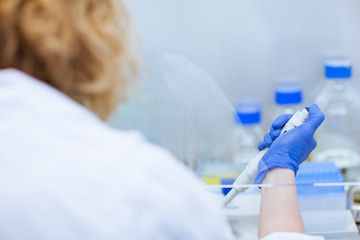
{"x": 338, "y": 137}
{"x": 248, "y": 133}
{"x": 288, "y": 98}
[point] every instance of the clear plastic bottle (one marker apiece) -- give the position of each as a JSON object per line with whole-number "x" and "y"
{"x": 338, "y": 137}
{"x": 247, "y": 134}
{"x": 288, "y": 99}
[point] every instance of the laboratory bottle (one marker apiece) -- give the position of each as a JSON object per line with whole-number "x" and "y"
{"x": 248, "y": 133}
{"x": 288, "y": 99}
{"x": 338, "y": 137}
{"x": 246, "y": 136}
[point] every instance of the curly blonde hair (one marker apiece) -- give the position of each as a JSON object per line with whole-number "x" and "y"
{"x": 83, "y": 48}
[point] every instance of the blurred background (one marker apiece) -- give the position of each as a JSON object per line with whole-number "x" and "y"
{"x": 245, "y": 47}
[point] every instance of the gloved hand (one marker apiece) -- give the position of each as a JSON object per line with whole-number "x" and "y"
{"x": 291, "y": 148}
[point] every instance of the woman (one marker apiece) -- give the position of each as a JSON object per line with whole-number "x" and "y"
{"x": 65, "y": 174}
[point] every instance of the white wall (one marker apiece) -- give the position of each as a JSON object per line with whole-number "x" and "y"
{"x": 244, "y": 45}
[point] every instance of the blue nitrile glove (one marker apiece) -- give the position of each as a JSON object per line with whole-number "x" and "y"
{"x": 291, "y": 148}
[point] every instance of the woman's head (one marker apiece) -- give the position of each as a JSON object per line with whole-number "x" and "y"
{"x": 82, "y": 48}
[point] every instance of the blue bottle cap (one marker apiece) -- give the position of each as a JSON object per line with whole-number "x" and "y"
{"x": 247, "y": 114}
{"x": 288, "y": 94}
{"x": 337, "y": 69}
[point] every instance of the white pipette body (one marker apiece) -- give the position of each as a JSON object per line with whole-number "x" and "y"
{"x": 251, "y": 170}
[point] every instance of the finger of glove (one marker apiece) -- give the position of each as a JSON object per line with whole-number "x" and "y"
{"x": 280, "y": 121}
{"x": 261, "y": 146}
{"x": 316, "y": 117}
{"x": 266, "y": 142}
{"x": 274, "y": 133}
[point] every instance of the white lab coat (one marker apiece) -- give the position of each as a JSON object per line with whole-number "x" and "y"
{"x": 64, "y": 174}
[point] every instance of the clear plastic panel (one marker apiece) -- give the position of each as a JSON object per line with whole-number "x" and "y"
{"x": 183, "y": 109}
{"x": 329, "y": 205}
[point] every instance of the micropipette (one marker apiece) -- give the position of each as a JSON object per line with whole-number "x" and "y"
{"x": 249, "y": 173}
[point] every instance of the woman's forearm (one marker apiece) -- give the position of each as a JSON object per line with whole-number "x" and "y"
{"x": 279, "y": 205}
